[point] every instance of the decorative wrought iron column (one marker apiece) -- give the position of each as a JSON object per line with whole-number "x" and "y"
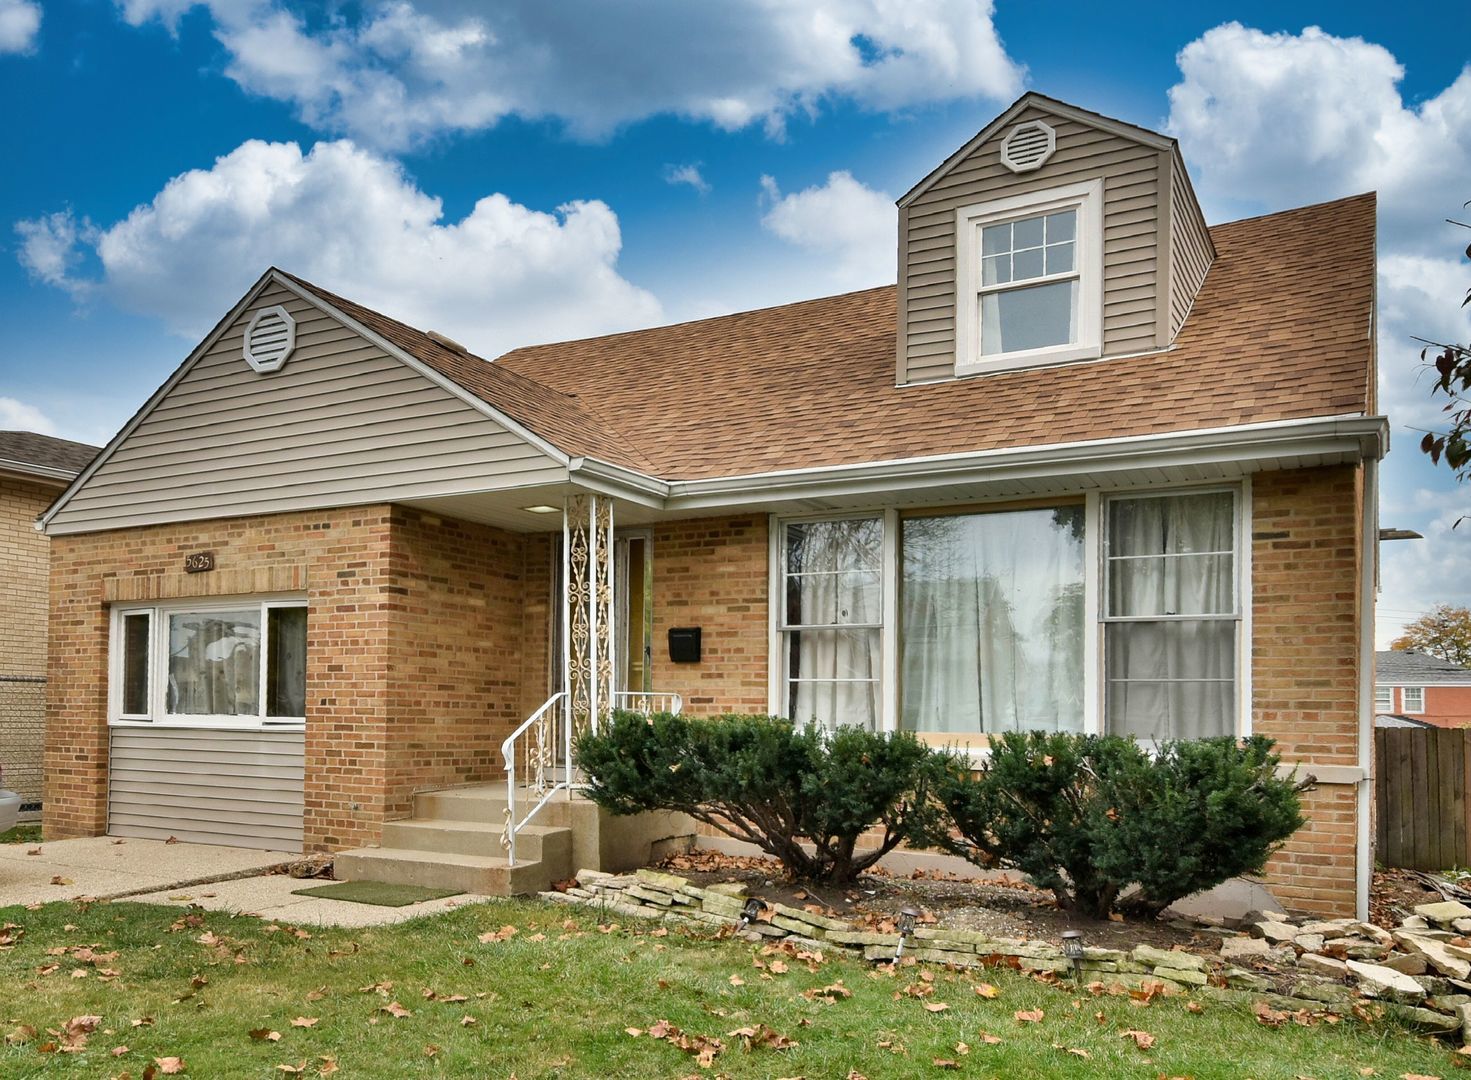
{"x": 588, "y": 640}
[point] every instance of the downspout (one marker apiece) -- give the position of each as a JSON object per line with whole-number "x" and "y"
{"x": 1368, "y": 585}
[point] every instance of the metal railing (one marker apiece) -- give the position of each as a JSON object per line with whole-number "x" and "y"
{"x": 540, "y": 752}
{"x": 648, "y": 704}
{"x": 534, "y": 747}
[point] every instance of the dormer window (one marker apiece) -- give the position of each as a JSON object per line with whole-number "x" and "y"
{"x": 1029, "y": 277}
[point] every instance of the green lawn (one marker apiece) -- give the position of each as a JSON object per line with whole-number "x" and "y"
{"x": 554, "y": 1000}
{"x": 24, "y": 833}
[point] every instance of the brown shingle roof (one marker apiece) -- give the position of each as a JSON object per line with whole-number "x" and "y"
{"x": 45, "y": 451}
{"x": 1279, "y": 331}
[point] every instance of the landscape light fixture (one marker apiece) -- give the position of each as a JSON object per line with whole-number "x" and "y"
{"x": 907, "y": 918}
{"x": 1072, "y": 948}
{"x": 752, "y": 911}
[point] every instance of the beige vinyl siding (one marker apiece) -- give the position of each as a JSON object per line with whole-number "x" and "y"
{"x": 343, "y": 423}
{"x": 237, "y": 788}
{"x": 1131, "y": 172}
{"x": 1191, "y": 251}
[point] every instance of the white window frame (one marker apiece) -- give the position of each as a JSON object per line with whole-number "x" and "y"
{"x": 1087, "y": 199}
{"x": 1095, "y": 581}
{"x": 777, "y": 681}
{"x": 1384, "y": 699}
{"x": 158, "y": 614}
{"x": 1419, "y": 696}
{"x": 1240, "y": 594}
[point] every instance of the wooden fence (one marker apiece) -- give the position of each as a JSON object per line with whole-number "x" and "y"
{"x": 1420, "y": 792}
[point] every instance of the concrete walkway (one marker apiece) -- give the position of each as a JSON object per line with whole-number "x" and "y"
{"x": 103, "y": 868}
{"x": 270, "y": 897}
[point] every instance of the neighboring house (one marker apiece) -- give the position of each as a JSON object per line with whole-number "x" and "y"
{"x": 1092, "y": 466}
{"x": 33, "y": 471}
{"x": 1425, "y": 687}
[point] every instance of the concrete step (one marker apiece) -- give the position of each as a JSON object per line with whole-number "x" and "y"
{"x": 487, "y": 805}
{"x": 486, "y": 875}
{"x": 452, "y": 837}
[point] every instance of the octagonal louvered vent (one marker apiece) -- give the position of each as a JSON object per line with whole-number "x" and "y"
{"x": 269, "y": 339}
{"x": 1028, "y": 146}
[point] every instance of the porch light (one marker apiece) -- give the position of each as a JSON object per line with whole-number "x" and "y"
{"x": 1072, "y": 948}
{"x": 542, "y": 508}
{"x": 752, "y": 911}
{"x": 908, "y": 916}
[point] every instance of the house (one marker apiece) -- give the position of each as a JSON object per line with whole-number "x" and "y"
{"x": 33, "y": 471}
{"x": 1425, "y": 687}
{"x": 1090, "y": 466}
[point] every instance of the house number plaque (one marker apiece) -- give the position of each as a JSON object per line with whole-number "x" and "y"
{"x": 198, "y": 562}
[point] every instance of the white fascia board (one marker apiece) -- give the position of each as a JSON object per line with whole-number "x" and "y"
{"x": 1413, "y": 683}
{"x": 445, "y": 383}
{"x": 605, "y": 478}
{"x": 1359, "y": 436}
{"x": 31, "y": 470}
{"x": 44, "y": 521}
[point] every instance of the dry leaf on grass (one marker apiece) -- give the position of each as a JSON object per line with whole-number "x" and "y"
{"x": 1029, "y": 1016}
{"x": 170, "y": 1066}
{"x": 1142, "y": 1039}
{"x": 935, "y": 1006}
{"x": 393, "y": 1008}
{"x": 987, "y": 991}
{"x": 265, "y": 1035}
{"x": 306, "y": 1021}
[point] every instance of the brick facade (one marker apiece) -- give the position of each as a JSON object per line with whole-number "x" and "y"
{"x": 413, "y": 651}
{"x": 712, "y": 573}
{"x": 1306, "y": 602}
{"x": 24, "y": 566}
{"x": 430, "y": 638}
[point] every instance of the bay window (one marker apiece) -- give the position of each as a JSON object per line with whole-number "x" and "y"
{"x": 992, "y": 625}
{"x": 239, "y": 663}
{"x": 830, "y": 622}
{"x": 1170, "y": 615}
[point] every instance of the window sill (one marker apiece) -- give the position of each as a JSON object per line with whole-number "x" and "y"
{"x": 1030, "y": 358}
{"x": 210, "y": 724}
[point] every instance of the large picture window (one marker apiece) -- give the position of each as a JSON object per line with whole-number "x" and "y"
{"x": 992, "y": 626}
{"x": 1171, "y": 615}
{"x": 233, "y": 664}
{"x": 831, "y": 620}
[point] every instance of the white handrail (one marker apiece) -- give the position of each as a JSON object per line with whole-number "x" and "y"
{"x": 541, "y": 736}
{"x": 648, "y": 703}
{"x": 538, "y": 722}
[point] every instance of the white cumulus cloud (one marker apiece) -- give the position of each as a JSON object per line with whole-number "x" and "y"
{"x": 350, "y": 220}
{"x": 18, "y": 416}
{"x": 20, "y": 22}
{"x": 848, "y": 224}
{"x": 395, "y": 72}
{"x": 1273, "y": 120}
{"x": 687, "y": 174}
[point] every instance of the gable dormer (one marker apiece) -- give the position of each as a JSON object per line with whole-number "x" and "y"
{"x": 1056, "y": 235}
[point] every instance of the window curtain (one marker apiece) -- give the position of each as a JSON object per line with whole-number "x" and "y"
{"x": 214, "y": 664}
{"x": 992, "y": 622}
{"x": 1172, "y": 556}
{"x": 833, "y": 588}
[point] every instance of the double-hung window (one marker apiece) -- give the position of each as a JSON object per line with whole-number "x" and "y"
{"x": 1414, "y": 698}
{"x": 1171, "y": 615}
{"x": 1029, "y": 280}
{"x": 1384, "y": 699}
{"x": 831, "y": 620}
{"x": 236, "y": 663}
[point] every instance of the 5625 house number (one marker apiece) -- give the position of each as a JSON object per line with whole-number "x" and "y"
{"x": 198, "y": 562}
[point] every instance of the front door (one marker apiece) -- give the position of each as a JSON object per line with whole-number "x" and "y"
{"x": 633, "y": 607}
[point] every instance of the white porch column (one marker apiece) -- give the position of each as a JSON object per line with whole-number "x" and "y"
{"x": 587, "y": 614}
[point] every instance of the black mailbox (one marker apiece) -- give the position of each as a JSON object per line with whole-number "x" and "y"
{"x": 684, "y": 644}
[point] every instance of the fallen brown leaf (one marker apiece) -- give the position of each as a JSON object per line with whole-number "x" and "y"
{"x": 1029, "y": 1016}
{"x": 1142, "y": 1039}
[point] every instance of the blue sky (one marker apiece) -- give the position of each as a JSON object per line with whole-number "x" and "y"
{"x": 487, "y": 169}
